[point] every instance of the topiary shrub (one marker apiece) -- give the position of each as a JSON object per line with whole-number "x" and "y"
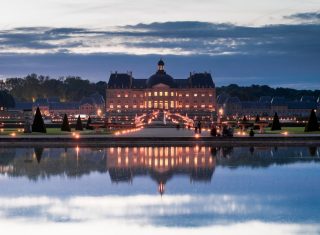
{"x": 312, "y": 124}
{"x": 275, "y": 123}
{"x": 38, "y": 123}
{"x": 79, "y": 126}
{"x": 88, "y": 127}
{"x": 65, "y": 124}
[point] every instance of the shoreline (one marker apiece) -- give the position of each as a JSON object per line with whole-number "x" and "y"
{"x": 112, "y": 141}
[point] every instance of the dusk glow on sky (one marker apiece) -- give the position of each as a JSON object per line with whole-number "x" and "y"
{"x": 245, "y": 42}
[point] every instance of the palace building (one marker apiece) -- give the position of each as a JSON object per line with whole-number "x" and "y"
{"x": 127, "y": 97}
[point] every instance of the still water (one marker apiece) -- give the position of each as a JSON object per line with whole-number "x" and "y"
{"x": 156, "y": 190}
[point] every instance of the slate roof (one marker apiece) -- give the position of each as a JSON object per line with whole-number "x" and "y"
{"x": 41, "y": 102}
{"x": 139, "y": 83}
{"x": 120, "y": 80}
{"x": 302, "y": 105}
{"x": 254, "y": 105}
{"x": 53, "y": 99}
{"x": 232, "y": 100}
{"x": 94, "y": 99}
{"x": 97, "y": 98}
{"x": 308, "y": 99}
{"x": 280, "y": 101}
{"x": 201, "y": 80}
{"x": 64, "y": 105}
{"x": 182, "y": 83}
{"x": 126, "y": 81}
{"x": 22, "y": 105}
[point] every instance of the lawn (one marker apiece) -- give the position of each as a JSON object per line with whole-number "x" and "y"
{"x": 50, "y": 131}
{"x": 290, "y": 130}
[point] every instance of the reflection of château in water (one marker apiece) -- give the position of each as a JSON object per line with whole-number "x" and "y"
{"x": 159, "y": 163}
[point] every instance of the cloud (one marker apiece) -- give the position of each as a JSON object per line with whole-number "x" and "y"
{"x": 305, "y": 16}
{"x": 170, "y": 38}
{"x": 270, "y": 54}
{"x": 151, "y": 214}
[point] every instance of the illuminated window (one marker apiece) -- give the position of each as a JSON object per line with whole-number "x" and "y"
{"x": 187, "y": 95}
{"x": 155, "y": 93}
{"x": 171, "y": 104}
{"x": 141, "y": 106}
{"x": 195, "y": 94}
{"x": 160, "y": 93}
{"x": 126, "y": 95}
{"x": 111, "y": 106}
{"x": 134, "y": 106}
{"x": 210, "y": 95}
{"x": 210, "y": 106}
{"x": 118, "y": 95}
{"x": 141, "y": 95}
{"x": 155, "y": 104}
{"x": 160, "y": 104}
{"x": 119, "y": 106}
{"x": 166, "y": 106}
{"x": 187, "y": 106}
{"x": 180, "y": 95}
{"x": 172, "y": 93}
{"x": 203, "y": 106}
{"x": 165, "y": 93}
{"x": 134, "y": 95}
{"x": 203, "y": 95}
{"x": 126, "y": 106}
{"x": 195, "y": 106}
{"x": 149, "y": 104}
{"x": 149, "y": 93}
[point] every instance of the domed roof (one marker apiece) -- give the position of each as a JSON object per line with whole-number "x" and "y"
{"x": 160, "y": 77}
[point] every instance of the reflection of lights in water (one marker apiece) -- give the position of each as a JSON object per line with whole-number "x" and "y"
{"x": 196, "y": 135}
{"x": 161, "y": 188}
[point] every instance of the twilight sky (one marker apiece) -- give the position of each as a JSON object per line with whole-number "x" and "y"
{"x": 246, "y": 42}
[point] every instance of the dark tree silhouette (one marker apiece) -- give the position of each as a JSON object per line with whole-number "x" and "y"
{"x": 88, "y": 127}
{"x": 312, "y": 124}
{"x": 38, "y": 123}
{"x": 6, "y": 100}
{"x": 275, "y": 123}
{"x": 79, "y": 126}
{"x": 38, "y": 152}
{"x": 257, "y": 118}
{"x": 65, "y": 124}
{"x": 244, "y": 119}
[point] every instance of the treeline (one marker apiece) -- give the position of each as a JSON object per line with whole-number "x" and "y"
{"x": 6, "y": 100}
{"x": 254, "y": 92}
{"x": 73, "y": 88}
{"x": 69, "y": 88}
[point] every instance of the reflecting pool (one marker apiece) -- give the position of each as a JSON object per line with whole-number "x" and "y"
{"x": 156, "y": 190}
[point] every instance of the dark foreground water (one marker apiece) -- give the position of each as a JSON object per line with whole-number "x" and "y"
{"x": 157, "y": 190}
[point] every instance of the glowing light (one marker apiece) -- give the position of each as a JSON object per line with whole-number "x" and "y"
{"x": 285, "y": 133}
{"x": 197, "y": 136}
{"x": 13, "y": 134}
